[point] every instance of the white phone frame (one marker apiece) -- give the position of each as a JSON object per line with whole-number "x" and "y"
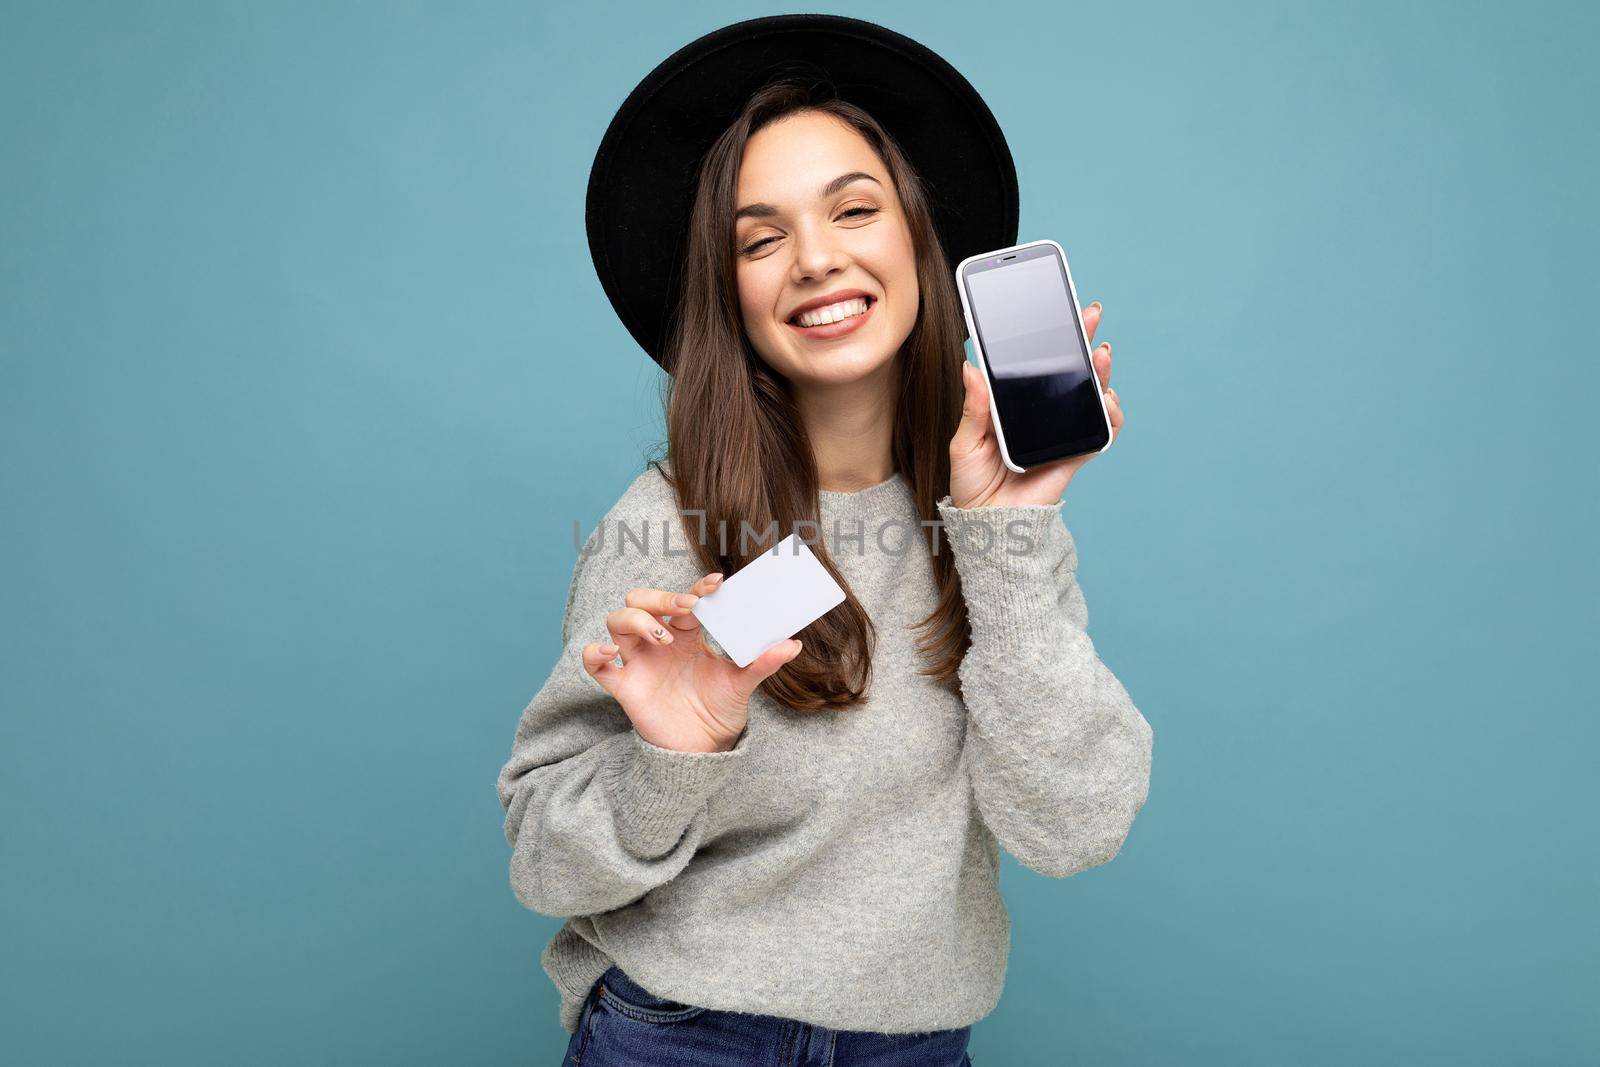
{"x": 977, "y": 346}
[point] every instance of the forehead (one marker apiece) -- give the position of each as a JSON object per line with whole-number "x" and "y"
{"x": 788, "y": 161}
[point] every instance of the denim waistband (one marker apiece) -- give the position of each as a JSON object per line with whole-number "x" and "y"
{"x": 616, "y": 978}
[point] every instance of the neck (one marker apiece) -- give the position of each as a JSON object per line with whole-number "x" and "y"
{"x": 851, "y": 427}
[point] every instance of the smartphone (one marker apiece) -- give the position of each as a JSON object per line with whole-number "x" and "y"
{"x": 1023, "y": 317}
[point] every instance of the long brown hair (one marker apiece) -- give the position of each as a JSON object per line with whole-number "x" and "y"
{"x": 737, "y": 448}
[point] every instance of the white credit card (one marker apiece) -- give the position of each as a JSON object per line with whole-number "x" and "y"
{"x": 770, "y": 599}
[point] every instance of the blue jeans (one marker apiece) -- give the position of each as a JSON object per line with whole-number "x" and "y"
{"x": 625, "y": 1025}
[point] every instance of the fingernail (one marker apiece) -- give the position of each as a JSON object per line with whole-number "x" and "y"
{"x": 661, "y": 634}
{"x": 1096, "y": 305}
{"x": 610, "y": 650}
{"x": 716, "y": 577}
{"x": 684, "y": 600}
{"x": 1107, "y": 346}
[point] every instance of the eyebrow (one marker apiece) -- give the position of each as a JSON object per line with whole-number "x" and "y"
{"x": 764, "y": 210}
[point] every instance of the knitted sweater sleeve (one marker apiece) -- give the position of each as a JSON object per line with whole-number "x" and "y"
{"x": 1058, "y": 755}
{"x": 596, "y": 815}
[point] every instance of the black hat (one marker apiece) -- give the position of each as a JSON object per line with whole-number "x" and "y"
{"x": 641, "y": 188}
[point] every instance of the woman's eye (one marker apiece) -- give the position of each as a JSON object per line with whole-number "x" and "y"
{"x": 747, "y": 249}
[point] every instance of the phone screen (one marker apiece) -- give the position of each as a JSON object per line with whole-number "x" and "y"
{"x": 1039, "y": 370}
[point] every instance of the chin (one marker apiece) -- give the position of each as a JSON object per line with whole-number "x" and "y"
{"x": 842, "y": 366}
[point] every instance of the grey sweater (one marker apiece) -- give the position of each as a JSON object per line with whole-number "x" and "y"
{"x": 839, "y": 868}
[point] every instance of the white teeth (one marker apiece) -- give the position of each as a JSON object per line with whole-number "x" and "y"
{"x": 833, "y": 312}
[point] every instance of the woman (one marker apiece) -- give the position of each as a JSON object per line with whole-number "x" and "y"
{"x": 797, "y": 861}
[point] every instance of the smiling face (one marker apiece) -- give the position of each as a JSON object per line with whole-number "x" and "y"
{"x": 818, "y": 216}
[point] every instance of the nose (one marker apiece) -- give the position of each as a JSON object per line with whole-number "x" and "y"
{"x": 817, "y": 253}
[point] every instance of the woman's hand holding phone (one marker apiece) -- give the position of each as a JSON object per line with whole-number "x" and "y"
{"x": 677, "y": 692}
{"x": 980, "y": 478}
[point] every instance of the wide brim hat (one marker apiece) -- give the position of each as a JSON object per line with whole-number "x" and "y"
{"x": 641, "y": 187}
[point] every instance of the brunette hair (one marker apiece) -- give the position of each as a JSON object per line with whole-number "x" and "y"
{"x": 737, "y": 448}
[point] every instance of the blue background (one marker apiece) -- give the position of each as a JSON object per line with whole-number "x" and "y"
{"x": 307, "y": 377}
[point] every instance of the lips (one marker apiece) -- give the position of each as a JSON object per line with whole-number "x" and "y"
{"x": 835, "y": 297}
{"x": 831, "y": 330}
